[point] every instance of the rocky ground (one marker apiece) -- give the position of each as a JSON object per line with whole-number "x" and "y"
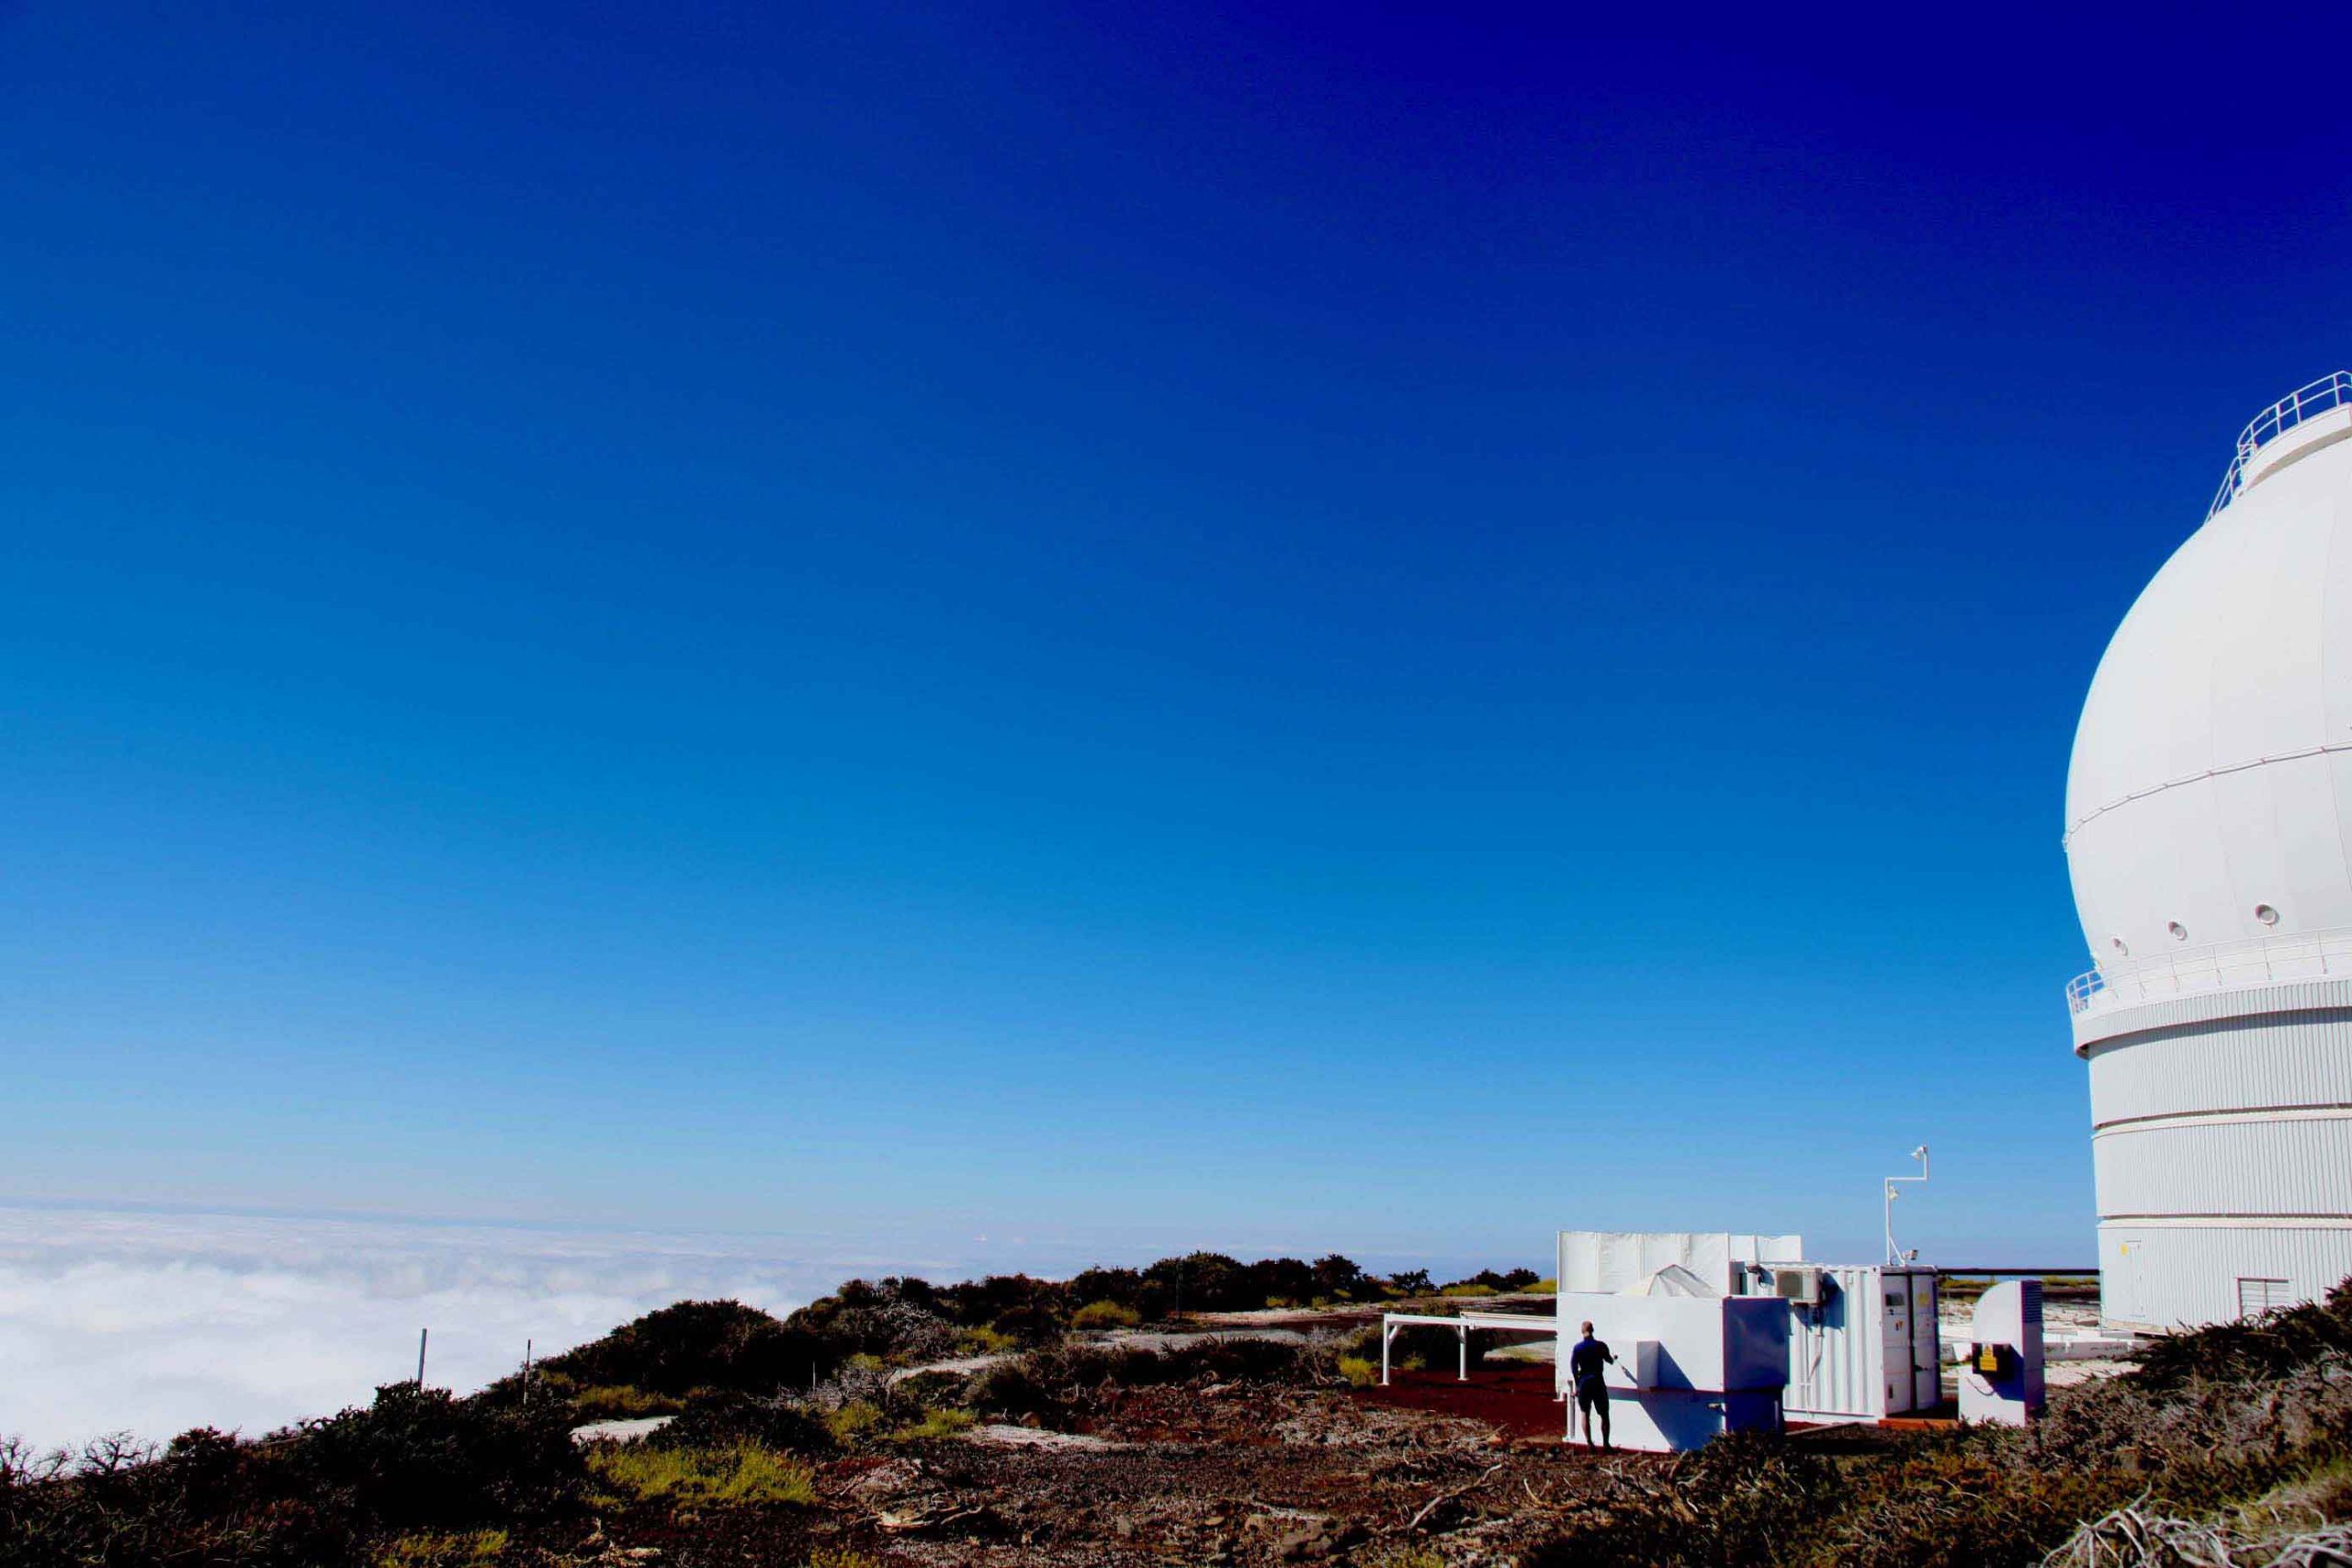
{"x": 1256, "y": 1474}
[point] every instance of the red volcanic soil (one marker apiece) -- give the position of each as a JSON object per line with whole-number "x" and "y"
{"x": 1515, "y": 1398}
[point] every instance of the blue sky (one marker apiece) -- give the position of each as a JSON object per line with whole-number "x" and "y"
{"x": 1383, "y": 629}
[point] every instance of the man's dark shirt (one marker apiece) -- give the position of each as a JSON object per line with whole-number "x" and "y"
{"x": 1584, "y": 1364}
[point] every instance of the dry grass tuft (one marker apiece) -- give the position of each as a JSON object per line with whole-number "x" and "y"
{"x": 461, "y": 1548}
{"x": 737, "y": 1474}
{"x": 2131, "y": 1538}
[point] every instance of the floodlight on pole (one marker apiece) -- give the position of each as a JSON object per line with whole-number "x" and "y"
{"x": 1895, "y": 1257}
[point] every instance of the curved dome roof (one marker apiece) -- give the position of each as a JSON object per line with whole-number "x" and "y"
{"x": 2210, "y": 798}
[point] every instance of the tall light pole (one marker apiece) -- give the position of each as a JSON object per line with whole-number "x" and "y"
{"x": 1893, "y": 1254}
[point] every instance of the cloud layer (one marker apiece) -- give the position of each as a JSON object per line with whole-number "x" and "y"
{"x": 153, "y": 1323}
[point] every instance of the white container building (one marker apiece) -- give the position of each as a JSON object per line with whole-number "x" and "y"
{"x": 1862, "y": 1341}
{"x": 2209, "y": 837}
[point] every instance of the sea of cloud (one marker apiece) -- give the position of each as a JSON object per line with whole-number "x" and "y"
{"x": 153, "y": 1323}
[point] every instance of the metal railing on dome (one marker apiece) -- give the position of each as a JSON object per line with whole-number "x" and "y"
{"x": 2220, "y": 967}
{"x": 2328, "y": 393}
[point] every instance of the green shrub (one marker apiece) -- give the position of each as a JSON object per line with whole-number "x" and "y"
{"x": 739, "y": 1474}
{"x": 1360, "y": 1371}
{"x": 854, "y": 1422}
{"x": 1471, "y": 1289}
{"x": 1339, "y": 1279}
{"x": 1105, "y": 1314}
{"x": 983, "y": 1340}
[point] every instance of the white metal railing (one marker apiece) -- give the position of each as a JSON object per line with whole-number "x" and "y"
{"x": 2328, "y": 393}
{"x": 2217, "y": 967}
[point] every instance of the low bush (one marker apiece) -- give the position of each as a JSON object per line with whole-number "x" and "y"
{"x": 1507, "y": 1283}
{"x": 896, "y": 1321}
{"x": 1149, "y": 1299}
{"x": 716, "y": 1420}
{"x": 423, "y": 1459}
{"x": 696, "y": 1345}
{"x": 1054, "y": 1386}
{"x": 1361, "y": 1372}
{"x": 206, "y": 1499}
{"x": 1020, "y": 1390}
{"x": 441, "y": 1474}
{"x": 1038, "y": 1323}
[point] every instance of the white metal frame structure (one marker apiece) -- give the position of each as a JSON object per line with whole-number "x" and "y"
{"x": 1511, "y": 1323}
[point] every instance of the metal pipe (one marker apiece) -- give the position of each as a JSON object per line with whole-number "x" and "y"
{"x": 1943, "y": 1273}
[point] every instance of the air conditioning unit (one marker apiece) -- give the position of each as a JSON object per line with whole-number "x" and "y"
{"x": 1800, "y": 1284}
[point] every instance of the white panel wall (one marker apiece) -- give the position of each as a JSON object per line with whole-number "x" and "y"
{"x": 2254, "y": 1167}
{"x": 2278, "y": 1060}
{"x": 2176, "y": 1276}
{"x": 1720, "y": 1364}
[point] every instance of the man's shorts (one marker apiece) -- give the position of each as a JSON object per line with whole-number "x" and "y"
{"x": 1591, "y": 1397}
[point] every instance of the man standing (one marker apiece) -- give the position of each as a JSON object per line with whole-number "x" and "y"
{"x": 1593, "y": 1394}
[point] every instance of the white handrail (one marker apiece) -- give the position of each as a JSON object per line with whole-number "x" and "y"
{"x": 2328, "y": 393}
{"x": 2218, "y": 967}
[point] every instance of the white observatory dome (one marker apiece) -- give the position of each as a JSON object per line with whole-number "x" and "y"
{"x": 2209, "y": 834}
{"x": 2213, "y": 771}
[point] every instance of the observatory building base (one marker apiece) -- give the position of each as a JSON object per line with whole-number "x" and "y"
{"x": 2223, "y": 1146}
